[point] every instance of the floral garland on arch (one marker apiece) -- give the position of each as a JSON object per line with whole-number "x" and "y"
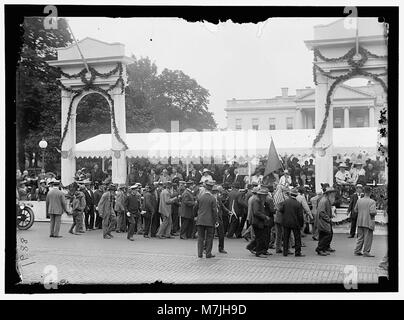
{"x": 355, "y": 71}
{"x": 89, "y": 85}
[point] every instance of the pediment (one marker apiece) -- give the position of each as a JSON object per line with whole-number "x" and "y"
{"x": 91, "y": 48}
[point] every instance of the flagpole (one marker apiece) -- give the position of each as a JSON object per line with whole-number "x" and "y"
{"x": 78, "y": 47}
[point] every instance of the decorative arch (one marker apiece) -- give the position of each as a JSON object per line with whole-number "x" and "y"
{"x": 352, "y": 54}
{"x": 104, "y": 72}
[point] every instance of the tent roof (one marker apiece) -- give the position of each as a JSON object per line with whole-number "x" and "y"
{"x": 228, "y": 144}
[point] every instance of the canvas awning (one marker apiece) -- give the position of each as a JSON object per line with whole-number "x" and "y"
{"x": 238, "y": 145}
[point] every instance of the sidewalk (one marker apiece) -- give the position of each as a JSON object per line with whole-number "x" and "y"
{"x": 91, "y": 259}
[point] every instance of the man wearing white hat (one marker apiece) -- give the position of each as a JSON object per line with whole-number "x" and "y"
{"x": 206, "y": 175}
{"x": 342, "y": 177}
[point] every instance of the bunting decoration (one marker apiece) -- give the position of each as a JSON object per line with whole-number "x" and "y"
{"x": 89, "y": 85}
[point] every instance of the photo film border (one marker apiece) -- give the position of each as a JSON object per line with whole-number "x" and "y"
{"x": 14, "y": 15}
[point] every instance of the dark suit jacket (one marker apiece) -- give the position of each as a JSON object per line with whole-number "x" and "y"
{"x": 187, "y": 205}
{"x": 235, "y": 198}
{"x": 144, "y": 179}
{"x": 207, "y": 210}
{"x": 292, "y": 213}
{"x": 259, "y": 216}
{"x": 150, "y": 203}
{"x": 97, "y": 197}
{"x": 89, "y": 195}
{"x": 196, "y": 178}
{"x": 352, "y": 204}
{"x": 229, "y": 179}
{"x": 240, "y": 180}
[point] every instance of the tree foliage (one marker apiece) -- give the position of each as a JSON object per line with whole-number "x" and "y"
{"x": 37, "y": 96}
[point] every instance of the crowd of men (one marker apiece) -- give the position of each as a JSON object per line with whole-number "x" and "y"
{"x": 269, "y": 216}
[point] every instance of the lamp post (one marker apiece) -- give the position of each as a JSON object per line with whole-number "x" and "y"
{"x": 43, "y": 144}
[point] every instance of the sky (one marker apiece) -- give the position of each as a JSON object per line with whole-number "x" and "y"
{"x": 241, "y": 61}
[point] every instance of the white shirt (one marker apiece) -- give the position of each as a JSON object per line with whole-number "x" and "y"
{"x": 342, "y": 177}
{"x": 206, "y": 178}
{"x": 285, "y": 181}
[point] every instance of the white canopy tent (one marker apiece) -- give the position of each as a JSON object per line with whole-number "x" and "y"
{"x": 230, "y": 145}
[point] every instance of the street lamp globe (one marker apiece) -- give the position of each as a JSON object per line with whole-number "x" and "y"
{"x": 43, "y": 144}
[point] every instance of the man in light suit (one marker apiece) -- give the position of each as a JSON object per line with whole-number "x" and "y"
{"x": 55, "y": 206}
{"x": 106, "y": 210}
{"x": 366, "y": 210}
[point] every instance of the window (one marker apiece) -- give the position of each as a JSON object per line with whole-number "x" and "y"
{"x": 238, "y": 124}
{"x": 255, "y": 124}
{"x": 360, "y": 122}
{"x": 337, "y": 123}
{"x": 289, "y": 123}
{"x": 272, "y": 125}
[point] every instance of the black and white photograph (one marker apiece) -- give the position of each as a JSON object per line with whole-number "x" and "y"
{"x": 157, "y": 148}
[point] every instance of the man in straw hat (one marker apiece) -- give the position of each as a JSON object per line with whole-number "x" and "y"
{"x": 55, "y": 206}
{"x": 206, "y": 175}
{"x": 324, "y": 222}
{"x": 292, "y": 221}
{"x": 206, "y": 220}
{"x": 342, "y": 177}
{"x": 260, "y": 223}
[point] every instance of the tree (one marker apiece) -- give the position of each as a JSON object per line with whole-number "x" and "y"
{"x": 153, "y": 99}
{"x": 38, "y": 97}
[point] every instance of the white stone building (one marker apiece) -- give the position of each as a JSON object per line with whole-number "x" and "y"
{"x": 352, "y": 107}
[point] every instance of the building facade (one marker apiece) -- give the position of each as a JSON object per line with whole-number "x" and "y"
{"x": 352, "y": 107}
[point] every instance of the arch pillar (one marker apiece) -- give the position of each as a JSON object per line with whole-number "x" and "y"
{"x": 324, "y": 163}
{"x": 119, "y": 162}
{"x": 68, "y": 162}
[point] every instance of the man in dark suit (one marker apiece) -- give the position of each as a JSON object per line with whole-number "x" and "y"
{"x": 194, "y": 175}
{"x": 260, "y": 223}
{"x": 97, "y": 197}
{"x": 235, "y": 204}
{"x": 227, "y": 177}
{"x": 238, "y": 178}
{"x": 351, "y": 211}
{"x": 142, "y": 177}
{"x": 151, "y": 208}
{"x": 292, "y": 221}
{"x": 187, "y": 211}
{"x": 55, "y": 206}
{"x": 206, "y": 220}
{"x": 89, "y": 210}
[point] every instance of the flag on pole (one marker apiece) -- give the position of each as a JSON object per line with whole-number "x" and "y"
{"x": 273, "y": 162}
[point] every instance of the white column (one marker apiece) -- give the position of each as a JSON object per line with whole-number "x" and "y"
{"x": 324, "y": 168}
{"x": 299, "y": 119}
{"x": 68, "y": 162}
{"x": 346, "y": 117}
{"x": 371, "y": 116}
{"x": 119, "y": 170}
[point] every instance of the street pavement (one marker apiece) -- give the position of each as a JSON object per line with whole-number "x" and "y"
{"x": 90, "y": 259}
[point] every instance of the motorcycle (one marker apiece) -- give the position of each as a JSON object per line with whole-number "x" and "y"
{"x": 25, "y": 216}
